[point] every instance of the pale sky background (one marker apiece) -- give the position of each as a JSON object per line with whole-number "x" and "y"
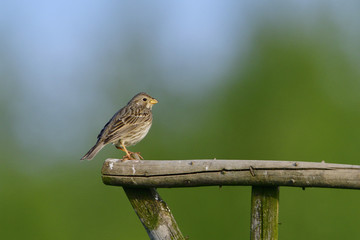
{"x": 61, "y": 54}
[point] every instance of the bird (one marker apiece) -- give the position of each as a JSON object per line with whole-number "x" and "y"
{"x": 127, "y": 127}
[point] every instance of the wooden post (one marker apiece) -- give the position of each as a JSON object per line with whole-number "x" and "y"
{"x": 264, "y": 213}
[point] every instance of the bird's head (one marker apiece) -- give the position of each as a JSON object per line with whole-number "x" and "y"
{"x": 144, "y": 100}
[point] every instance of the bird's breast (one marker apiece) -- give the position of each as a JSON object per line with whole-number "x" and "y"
{"x": 133, "y": 137}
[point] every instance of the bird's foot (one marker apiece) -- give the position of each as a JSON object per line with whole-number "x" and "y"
{"x": 136, "y": 155}
{"x": 127, "y": 157}
{"x": 132, "y": 156}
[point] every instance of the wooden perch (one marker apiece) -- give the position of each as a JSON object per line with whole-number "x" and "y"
{"x": 191, "y": 173}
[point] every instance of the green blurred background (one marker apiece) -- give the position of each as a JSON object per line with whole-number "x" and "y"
{"x": 235, "y": 80}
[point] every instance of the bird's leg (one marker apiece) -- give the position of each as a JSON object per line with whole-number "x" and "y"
{"x": 128, "y": 153}
{"x": 123, "y": 148}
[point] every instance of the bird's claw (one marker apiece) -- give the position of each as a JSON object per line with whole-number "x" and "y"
{"x": 136, "y": 155}
{"x": 132, "y": 156}
{"x": 127, "y": 157}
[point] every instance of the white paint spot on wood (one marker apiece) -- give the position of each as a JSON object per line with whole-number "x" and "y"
{"x": 111, "y": 162}
{"x": 133, "y": 169}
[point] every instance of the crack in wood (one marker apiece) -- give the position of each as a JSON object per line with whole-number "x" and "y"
{"x": 147, "y": 175}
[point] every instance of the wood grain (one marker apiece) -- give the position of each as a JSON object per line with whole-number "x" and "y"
{"x": 264, "y": 213}
{"x": 191, "y": 173}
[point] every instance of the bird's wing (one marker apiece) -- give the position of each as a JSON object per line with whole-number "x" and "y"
{"x": 123, "y": 121}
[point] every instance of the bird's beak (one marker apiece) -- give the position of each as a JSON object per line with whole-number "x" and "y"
{"x": 153, "y": 101}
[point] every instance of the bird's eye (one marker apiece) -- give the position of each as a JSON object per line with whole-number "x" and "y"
{"x": 144, "y": 99}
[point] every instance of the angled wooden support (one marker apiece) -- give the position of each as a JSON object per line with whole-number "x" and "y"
{"x": 153, "y": 213}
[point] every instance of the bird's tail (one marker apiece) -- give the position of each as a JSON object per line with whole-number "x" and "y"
{"x": 93, "y": 151}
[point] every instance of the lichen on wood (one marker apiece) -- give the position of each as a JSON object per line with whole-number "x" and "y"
{"x": 154, "y": 214}
{"x": 264, "y": 213}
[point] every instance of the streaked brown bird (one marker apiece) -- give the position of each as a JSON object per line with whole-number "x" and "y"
{"x": 127, "y": 127}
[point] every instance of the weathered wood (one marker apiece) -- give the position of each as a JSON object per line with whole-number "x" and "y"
{"x": 191, "y": 173}
{"x": 153, "y": 213}
{"x": 264, "y": 213}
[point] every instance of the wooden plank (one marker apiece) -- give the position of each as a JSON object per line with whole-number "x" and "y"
{"x": 264, "y": 213}
{"x": 191, "y": 173}
{"x": 154, "y": 214}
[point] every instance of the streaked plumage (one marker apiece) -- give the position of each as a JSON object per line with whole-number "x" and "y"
{"x": 127, "y": 127}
